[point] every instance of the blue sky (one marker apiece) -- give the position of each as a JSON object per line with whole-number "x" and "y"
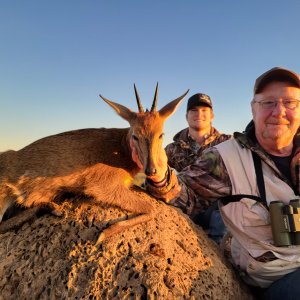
{"x": 57, "y": 56}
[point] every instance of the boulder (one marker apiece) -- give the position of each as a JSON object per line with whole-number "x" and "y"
{"x": 168, "y": 257}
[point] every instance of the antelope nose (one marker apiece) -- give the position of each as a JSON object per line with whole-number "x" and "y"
{"x": 150, "y": 171}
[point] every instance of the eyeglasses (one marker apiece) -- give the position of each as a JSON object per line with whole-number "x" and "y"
{"x": 271, "y": 104}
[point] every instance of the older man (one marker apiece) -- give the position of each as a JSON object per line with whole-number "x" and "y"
{"x": 188, "y": 146}
{"x": 251, "y": 172}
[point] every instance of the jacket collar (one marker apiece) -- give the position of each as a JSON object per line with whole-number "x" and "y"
{"x": 184, "y": 134}
{"x": 248, "y": 140}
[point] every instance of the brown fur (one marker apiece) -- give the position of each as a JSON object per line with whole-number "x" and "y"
{"x": 92, "y": 162}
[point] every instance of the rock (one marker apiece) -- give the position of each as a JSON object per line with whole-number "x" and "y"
{"x": 168, "y": 257}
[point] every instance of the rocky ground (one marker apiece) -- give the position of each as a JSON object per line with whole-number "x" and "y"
{"x": 168, "y": 257}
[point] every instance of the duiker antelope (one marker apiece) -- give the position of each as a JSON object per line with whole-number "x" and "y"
{"x": 92, "y": 162}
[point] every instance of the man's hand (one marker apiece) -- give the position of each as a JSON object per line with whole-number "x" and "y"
{"x": 162, "y": 163}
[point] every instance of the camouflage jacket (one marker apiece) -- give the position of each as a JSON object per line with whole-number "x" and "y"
{"x": 207, "y": 180}
{"x": 185, "y": 150}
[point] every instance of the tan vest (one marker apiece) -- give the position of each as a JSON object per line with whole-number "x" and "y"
{"x": 249, "y": 221}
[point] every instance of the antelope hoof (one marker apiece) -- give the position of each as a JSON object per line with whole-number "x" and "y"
{"x": 50, "y": 208}
{"x": 57, "y": 213}
{"x": 101, "y": 238}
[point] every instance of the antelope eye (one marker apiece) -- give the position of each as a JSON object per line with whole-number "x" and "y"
{"x": 135, "y": 138}
{"x": 161, "y": 136}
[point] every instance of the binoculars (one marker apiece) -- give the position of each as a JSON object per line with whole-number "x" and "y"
{"x": 285, "y": 222}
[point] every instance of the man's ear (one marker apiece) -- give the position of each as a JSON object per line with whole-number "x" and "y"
{"x": 252, "y": 107}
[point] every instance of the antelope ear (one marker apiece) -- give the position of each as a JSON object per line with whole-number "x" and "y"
{"x": 168, "y": 109}
{"x": 121, "y": 110}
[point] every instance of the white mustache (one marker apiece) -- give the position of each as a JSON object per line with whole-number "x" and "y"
{"x": 273, "y": 121}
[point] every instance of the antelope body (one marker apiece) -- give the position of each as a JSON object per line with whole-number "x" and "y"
{"x": 92, "y": 162}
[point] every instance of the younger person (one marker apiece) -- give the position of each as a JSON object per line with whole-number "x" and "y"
{"x": 188, "y": 146}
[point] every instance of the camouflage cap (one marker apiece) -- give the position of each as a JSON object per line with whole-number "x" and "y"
{"x": 199, "y": 100}
{"x": 276, "y": 74}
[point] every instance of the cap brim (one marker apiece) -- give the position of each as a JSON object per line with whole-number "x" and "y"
{"x": 273, "y": 74}
{"x": 199, "y": 104}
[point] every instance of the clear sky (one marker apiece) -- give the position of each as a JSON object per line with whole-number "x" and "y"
{"x": 57, "y": 56}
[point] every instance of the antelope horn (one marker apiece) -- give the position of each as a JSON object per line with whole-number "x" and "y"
{"x": 153, "y": 108}
{"x": 140, "y": 106}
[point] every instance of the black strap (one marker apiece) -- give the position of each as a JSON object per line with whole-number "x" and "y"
{"x": 297, "y": 178}
{"x": 260, "y": 183}
{"x": 259, "y": 177}
{"x": 235, "y": 198}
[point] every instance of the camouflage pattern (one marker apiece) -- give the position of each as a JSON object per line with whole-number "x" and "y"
{"x": 185, "y": 150}
{"x": 207, "y": 179}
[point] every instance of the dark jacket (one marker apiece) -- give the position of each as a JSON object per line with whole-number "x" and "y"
{"x": 185, "y": 150}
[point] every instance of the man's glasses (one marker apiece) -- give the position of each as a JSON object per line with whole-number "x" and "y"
{"x": 271, "y": 104}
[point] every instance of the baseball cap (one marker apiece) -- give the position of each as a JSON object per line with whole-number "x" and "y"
{"x": 199, "y": 100}
{"x": 275, "y": 74}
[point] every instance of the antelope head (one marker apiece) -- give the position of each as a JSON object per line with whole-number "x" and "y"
{"x": 146, "y": 128}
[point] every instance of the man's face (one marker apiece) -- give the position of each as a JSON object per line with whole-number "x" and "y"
{"x": 200, "y": 117}
{"x": 279, "y": 123}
